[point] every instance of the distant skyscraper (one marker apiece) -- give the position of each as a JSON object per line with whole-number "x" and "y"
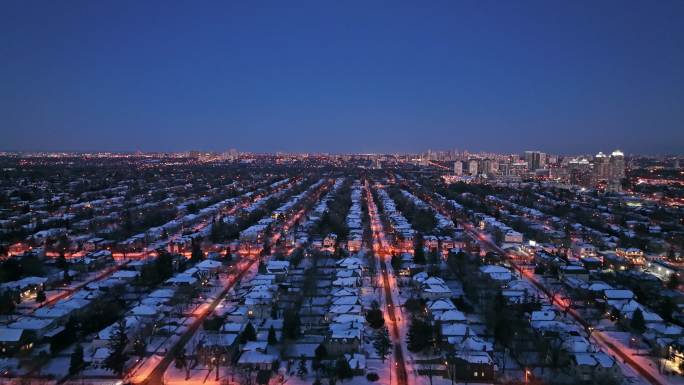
{"x": 472, "y": 167}
{"x": 489, "y": 167}
{"x": 512, "y": 169}
{"x": 458, "y": 168}
{"x": 580, "y": 172}
{"x": 601, "y": 167}
{"x": 617, "y": 165}
{"x": 231, "y": 154}
{"x": 535, "y": 159}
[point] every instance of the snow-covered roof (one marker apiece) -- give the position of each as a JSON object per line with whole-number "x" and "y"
{"x": 9, "y": 335}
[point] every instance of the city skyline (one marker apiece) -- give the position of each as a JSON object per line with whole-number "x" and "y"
{"x": 424, "y": 153}
{"x": 565, "y": 78}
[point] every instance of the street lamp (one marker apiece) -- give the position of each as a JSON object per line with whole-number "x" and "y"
{"x": 635, "y": 344}
{"x": 396, "y": 365}
{"x": 450, "y": 372}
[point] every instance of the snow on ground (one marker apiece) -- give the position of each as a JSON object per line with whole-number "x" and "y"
{"x": 57, "y": 366}
{"x": 145, "y": 367}
{"x": 621, "y": 340}
{"x": 161, "y": 344}
{"x": 513, "y": 370}
{"x": 199, "y": 375}
{"x": 402, "y": 324}
{"x": 374, "y": 365}
{"x": 172, "y": 374}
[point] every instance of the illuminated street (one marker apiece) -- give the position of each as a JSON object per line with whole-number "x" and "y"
{"x": 382, "y": 249}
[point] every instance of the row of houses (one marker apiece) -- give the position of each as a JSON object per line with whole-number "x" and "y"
{"x": 253, "y": 236}
{"x": 443, "y": 225}
{"x": 288, "y": 207}
{"x": 585, "y": 359}
{"x": 158, "y": 313}
{"x": 499, "y": 229}
{"x": 399, "y": 227}
{"x": 47, "y": 322}
{"x": 469, "y": 354}
{"x": 329, "y": 241}
{"x": 346, "y": 322}
{"x": 659, "y": 334}
{"x": 354, "y": 219}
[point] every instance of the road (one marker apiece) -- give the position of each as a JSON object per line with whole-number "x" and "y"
{"x": 383, "y": 250}
{"x": 157, "y": 374}
{"x": 648, "y": 373}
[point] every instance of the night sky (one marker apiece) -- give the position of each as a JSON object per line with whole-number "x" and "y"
{"x": 342, "y": 76}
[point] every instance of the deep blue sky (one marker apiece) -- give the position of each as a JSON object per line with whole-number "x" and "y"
{"x": 342, "y": 76}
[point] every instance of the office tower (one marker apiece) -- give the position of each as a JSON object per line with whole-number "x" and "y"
{"x": 617, "y": 165}
{"x": 601, "y": 167}
{"x": 458, "y": 168}
{"x": 472, "y": 167}
{"x": 580, "y": 172}
{"x": 535, "y": 159}
{"x": 489, "y": 167}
